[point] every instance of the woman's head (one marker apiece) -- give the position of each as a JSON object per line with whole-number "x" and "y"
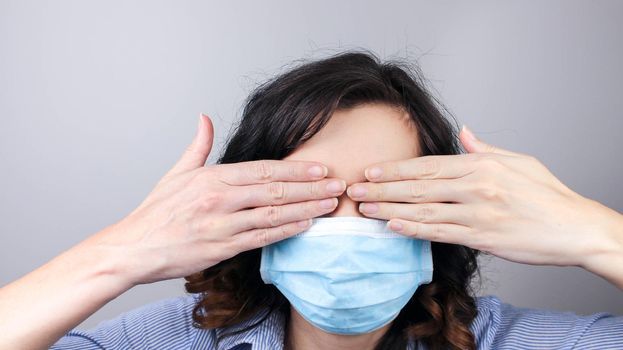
{"x": 347, "y": 111}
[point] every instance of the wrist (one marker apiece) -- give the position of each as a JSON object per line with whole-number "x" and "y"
{"x": 605, "y": 256}
{"x": 108, "y": 261}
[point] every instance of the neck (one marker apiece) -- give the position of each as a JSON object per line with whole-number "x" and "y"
{"x": 301, "y": 335}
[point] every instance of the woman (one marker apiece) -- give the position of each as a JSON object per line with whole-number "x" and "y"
{"x": 350, "y": 143}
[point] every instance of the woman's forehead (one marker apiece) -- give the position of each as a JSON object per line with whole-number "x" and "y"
{"x": 355, "y": 138}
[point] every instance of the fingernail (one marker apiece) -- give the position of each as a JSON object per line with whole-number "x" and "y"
{"x": 357, "y": 191}
{"x": 336, "y": 186}
{"x": 199, "y": 124}
{"x": 318, "y": 171}
{"x": 374, "y": 173}
{"x": 395, "y": 226}
{"x": 328, "y": 203}
{"x": 469, "y": 133}
{"x": 368, "y": 208}
{"x": 304, "y": 223}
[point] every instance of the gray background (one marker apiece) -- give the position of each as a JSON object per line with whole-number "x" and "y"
{"x": 99, "y": 99}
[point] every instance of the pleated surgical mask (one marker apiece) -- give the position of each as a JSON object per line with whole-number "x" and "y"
{"x": 348, "y": 275}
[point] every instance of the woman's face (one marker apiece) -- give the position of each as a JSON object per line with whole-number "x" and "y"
{"x": 355, "y": 138}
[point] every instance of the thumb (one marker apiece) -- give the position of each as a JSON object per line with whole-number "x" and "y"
{"x": 474, "y": 145}
{"x": 198, "y": 151}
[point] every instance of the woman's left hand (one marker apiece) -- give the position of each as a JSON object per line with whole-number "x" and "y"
{"x": 494, "y": 200}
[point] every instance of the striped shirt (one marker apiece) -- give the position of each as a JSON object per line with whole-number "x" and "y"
{"x": 167, "y": 324}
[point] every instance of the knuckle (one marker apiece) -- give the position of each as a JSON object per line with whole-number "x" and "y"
{"x": 490, "y": 192}
{"x": 262, "y": 170}
{"x": 417, "y": 189}
{"x": 262, "y": 237}
{"x": 414, "y": 230}
{"x": 293, "y": 172}
{"x": 487, "y": 192}
{"x": 424, "y": 213}
{"x": 283, "y": 232}
{"x": 210, "y": 200}
{"x": 429, "y": 167}
{"x": 277, "y": 191}
{"x": 211, "y": 226}
{"x": 395, "y": 172}
{"x": 436, "y": 233}
{"x": 314, "y": 189}
{"x": 273, "y": 215}
{"x": 379, "y": 192}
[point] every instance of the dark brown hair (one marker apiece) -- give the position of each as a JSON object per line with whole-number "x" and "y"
{"x": 286, "y": 111}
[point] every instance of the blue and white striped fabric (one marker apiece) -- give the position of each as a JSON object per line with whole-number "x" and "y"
{"x": 167, "y": 324}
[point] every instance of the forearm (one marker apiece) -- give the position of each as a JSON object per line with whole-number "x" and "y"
{"x": 605, "y": 259}
{"x": 39, "y": 308}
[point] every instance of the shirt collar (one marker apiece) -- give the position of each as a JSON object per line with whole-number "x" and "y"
{"x": 268, "y": 334}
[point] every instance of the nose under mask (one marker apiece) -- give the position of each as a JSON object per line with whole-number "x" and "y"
{"x": 347, "y": 275}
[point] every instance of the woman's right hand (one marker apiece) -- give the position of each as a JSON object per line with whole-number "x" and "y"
{"x": 197, "y": 216}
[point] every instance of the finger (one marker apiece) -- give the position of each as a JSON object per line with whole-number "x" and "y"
{"x": 272, "y": 216}
{"x": 197, "y": 152}
{"x": 424, "y": 167}
{"x": 426, "y": 213}
{"x": 410, "y": 191}
{"x": 261, "y": 237}
{"x": 445, "y": 233}
{"x": 280, "y": 192}
{"x": 474, "y": 145}
{"x": 268, "y": 170}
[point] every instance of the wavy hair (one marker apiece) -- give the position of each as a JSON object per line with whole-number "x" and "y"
{"x": 281, "y": 114}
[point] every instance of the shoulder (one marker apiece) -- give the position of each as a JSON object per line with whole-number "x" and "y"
{"x": 164, "y": 324}
{"x": 500, "y": 325}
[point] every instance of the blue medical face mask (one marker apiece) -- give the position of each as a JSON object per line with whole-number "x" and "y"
{"x": 348, "y": 275}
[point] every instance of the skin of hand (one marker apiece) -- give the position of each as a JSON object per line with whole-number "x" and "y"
{"x": 504, "y": 203}
{"x": 195, "y": 217}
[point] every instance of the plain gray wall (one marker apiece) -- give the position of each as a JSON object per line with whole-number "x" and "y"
{"x": 99, "y": 99}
